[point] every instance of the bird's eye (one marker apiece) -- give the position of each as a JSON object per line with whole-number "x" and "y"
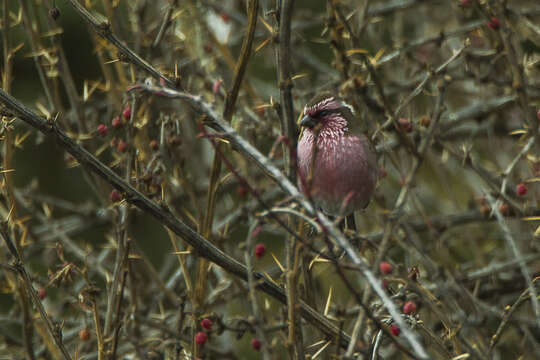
{"x": 323, "y": 113}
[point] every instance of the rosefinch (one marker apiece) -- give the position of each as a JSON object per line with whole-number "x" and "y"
{"x": 342, "y": 176}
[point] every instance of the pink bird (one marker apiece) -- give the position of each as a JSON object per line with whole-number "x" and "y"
{"x": 342, "y": 175}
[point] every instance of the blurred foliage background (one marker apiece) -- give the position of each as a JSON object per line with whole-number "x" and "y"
{"x": 391, "y": 59}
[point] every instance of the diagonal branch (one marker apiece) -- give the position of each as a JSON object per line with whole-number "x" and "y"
{"x": 103, "y": 29}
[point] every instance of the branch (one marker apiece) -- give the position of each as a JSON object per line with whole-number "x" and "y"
{"x": 517, "y": 254}
{"x": 103, "y": 29}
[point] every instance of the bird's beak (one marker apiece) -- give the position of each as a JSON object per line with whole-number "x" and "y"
{"x": 308, "y": 121}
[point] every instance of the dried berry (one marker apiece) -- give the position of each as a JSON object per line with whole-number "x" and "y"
{"x": 206, "y": 324}
{"x": 84, "y": 334}
{"x": 382, "y": 173}
{"x": 201, "y": 338}
{"x": 102, "y": 129}
{"x": 414, "y": 273}
{"x": 425, "y": 121}
{"x": 54, "y": 13}
{"x": 260, "y": 250}
{"x": 154, "y": 145}
{"x": 504, "y": 209}
{"x": 42, "y": 293}
{"x": 242, "y": 190}
{"x": 409, "y": 307}
{"x": 121, "y": 146}
{"x": 465, "y": 3}
{"x": 405, "y": 125}
{"x": 522, "y": 189}
{"x": 256, "y": 344}
{"x": 385, "y": 267}
{"x": 175, "y": 140}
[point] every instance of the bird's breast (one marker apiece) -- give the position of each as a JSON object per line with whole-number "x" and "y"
{"x": 343, "y": 171}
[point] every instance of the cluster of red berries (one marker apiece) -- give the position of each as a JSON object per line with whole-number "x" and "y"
{"x": 116, "y": 123}
{"x": 408, "y": 308}
{"x": 201, "y": 337}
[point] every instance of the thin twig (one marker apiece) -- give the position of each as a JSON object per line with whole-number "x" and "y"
{"x": 103, "y": 29}
{"x": 510, "y": 242}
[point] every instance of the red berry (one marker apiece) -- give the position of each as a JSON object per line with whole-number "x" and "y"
{"x": 409, "y": 307}
{"x": 522, "y": 189}
{"x": 256, "y": 344}
{"x": 84, "y": 334}
{"x": 260, "y": 249}
{"x": 465, "y": 3}
{"x": 242, "y": 190}
{"x": 386, "y": 267}
{"x": 405, "y": 125}
{"x": 154, "y": 145}
{"x": 42, "y": 293}
{"x": 201, "y": 338}
{"x": 395, "y": 330}
{"x": 206, "y": 323}
{"x": 127, "y": 113}
{"x": 102, "y": 129}
{"x": 538, "y": 114}
{"x": 503, "y": 208}
{"x": 121, "y": 146}
{"x": 494, "y": 23}
{"x": 116, "y": 122}
{"x": 115, "y": 196}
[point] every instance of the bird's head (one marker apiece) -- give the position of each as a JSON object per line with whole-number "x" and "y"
{"x": 326, "y": 111}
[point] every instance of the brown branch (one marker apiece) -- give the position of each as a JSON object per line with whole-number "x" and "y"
{"x": 103, "y": 29}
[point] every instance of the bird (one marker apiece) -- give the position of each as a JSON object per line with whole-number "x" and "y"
{"x": 336, "y": 164}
